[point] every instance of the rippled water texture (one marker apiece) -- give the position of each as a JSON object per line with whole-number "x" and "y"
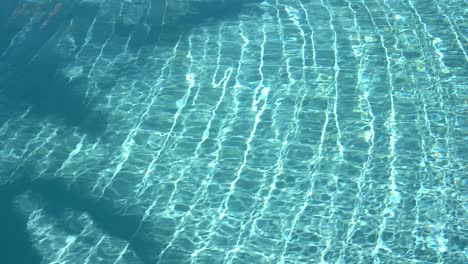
{"x": 235, "y": 131}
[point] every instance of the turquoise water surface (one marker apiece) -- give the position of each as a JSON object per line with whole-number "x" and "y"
{"x": 203, "y": 131}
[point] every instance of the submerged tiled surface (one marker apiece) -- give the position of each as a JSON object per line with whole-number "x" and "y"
{"x": 299, "y": 132}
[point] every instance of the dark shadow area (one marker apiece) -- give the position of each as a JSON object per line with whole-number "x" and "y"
{"x": 42, "y": 87}
{"x": 167, "y": 23}
{"x": 57, "y": 196}
{"x": 33, "y": 23}
{"x": 31, "y": 77}
{"x": 7, "y": 29}
{"x": 15, "y": 244}
{"x": 31, "y": 69}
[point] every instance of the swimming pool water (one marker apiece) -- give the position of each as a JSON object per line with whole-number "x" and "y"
{"x": 295, "y": 131}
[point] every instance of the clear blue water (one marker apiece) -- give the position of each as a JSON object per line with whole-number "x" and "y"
{"x": 204, "y": 131}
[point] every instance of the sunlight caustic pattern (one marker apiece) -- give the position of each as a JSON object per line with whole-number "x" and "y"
{"x": 304, "y": 132}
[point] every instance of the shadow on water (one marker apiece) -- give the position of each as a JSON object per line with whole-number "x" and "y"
{"x": 7, "y": 30}
{"x": 40, "y": 86}
{"x": 57, "y": 196}
{"x": 15, "y": 244}
{"x": 168, "y": 20}
{"x": 32, "y": 78}
{"x": 32, "y": 70}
